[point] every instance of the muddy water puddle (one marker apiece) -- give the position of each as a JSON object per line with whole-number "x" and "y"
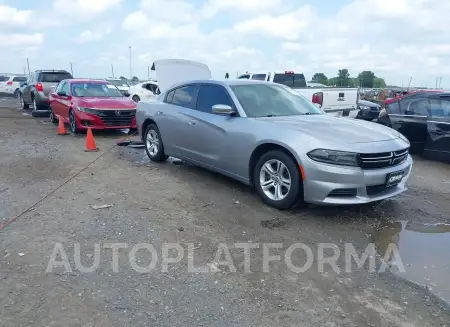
{"x": 424, "y": 252}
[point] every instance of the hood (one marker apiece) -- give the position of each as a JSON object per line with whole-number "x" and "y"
{"x": 107, "y": 103}
{"x": 334, "y": 129}
{"x": 173, "y": 71}
{"x": 368, "y": 103}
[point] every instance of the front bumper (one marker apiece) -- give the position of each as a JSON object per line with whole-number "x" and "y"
{"x": 85, "y": 120}
{"x": 336, "y": 185}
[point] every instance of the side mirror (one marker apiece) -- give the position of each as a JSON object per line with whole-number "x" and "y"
{"x": 222, "y": 109}
{"x": 52, "y": 89}
{"x": 62, "y": 94}
{"x": 126, "y": 94}
{"x": 23, "y": 84}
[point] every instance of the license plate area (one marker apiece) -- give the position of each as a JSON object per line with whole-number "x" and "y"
{"x": 394, "y": 178}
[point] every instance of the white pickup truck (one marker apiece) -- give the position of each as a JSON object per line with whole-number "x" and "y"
{"x": 341, "y": 101}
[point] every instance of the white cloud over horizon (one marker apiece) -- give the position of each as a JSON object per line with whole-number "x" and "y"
{"x": 396, "y": 39}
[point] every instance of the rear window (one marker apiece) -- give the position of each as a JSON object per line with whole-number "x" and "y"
{"x": 4, "y": 78}
{"x": 291, "y": 80}
{"x": 259, "y": 77}
{"x": 53, "y": 77}
{"x": 20, "y": 79}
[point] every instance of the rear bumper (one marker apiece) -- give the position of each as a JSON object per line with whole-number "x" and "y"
{"x": 85, "y": 120}
{"x": 42, "y": 101}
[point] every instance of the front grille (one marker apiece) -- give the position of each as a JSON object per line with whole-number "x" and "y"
{"x": 377, "y": 189}
{"x": 382, "y": 160}
{"x": 343, "y": 192}
{"x": 117, "y": 117}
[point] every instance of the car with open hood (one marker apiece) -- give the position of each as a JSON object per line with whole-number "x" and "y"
{"x": 271, "y": 137}
{"x": 90, "y": 103}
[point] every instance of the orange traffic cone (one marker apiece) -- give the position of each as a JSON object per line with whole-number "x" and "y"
{"x": 90, "y": 142}
{"x": 61, "y": 127}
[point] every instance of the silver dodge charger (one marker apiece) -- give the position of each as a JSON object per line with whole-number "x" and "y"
{"x": 271, "y": 137}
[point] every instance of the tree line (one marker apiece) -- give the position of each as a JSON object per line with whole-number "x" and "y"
{"x": 365, "y": 79}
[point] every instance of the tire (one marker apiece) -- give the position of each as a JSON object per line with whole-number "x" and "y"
{"x": 35, "y": 105}
{"x": 275, "y": 180}
{"x": 73, "y": 123}
{"x": 136, "y": 98}
{"x": 53, "y": 118}
{"x": 22, "y": 102}
{"x": 16, "y": 93}
{"x": 155, "y": 150}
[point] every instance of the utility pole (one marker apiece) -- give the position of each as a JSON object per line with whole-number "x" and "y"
{"x": 148, "y": 72}
{"x": 24, "y": 71}
{"x": 28, "y": 64}
{"x": 131, "y": 73}
{"x": 71, "y": 69}
{"x": 112, "y": 70}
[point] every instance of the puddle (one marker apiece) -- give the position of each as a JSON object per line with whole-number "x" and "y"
{"x": 424, "y": 251}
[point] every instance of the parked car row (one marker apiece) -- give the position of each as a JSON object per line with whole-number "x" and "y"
{"x": 10, "y": 84}
{"x": 270, "y": 136}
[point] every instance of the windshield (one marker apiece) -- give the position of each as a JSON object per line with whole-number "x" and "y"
{"x": 53, "y": 77}
{"x": 118, "y": 82}
{"x": 291, "y": 80}
{"x": 270, "y": 100}
{"x": 95, "y": 90}
{"x": 19, "y": 79}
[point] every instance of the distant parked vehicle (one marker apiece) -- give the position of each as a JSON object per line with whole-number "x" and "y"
{"x": 271, "y": 137}
{"x": 368, "y": 110}
{"x": 144, "y": 91}
{"x": 121, "y": 84}
{"x": 10, "y": 84}
{"x": 91, "y": 103}
{"x": 37, "y": 88}
{"x": 424, "y": 119}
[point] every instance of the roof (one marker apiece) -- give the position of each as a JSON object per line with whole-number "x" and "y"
{"x": 225, "y": 82}
{"x": 87, "y": 80}
{"x": 388, "y": 101}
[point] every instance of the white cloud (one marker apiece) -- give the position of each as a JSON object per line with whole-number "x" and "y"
{"x": 10, "y": 16}
{"x": 212, "y": 7}
{"x": 90, "y": 35}
{"x": 83, "y": 7}
{"x": 21, "y": 40}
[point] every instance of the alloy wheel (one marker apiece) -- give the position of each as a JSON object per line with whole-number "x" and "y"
{"x": 275, "y": 179}
{"x": 152, "y": 142}
{"x": 73, "y": 123}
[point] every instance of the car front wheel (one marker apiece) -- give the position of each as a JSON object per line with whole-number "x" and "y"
{"x": 153, "y": 144}
{"x": 278, "y": 180}
{"x": 73, "y": 123}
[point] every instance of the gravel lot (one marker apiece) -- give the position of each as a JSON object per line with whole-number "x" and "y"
{"x": 157, "y": 204}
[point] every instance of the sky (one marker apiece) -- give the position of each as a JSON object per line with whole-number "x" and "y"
{"x": 396, "y": 39}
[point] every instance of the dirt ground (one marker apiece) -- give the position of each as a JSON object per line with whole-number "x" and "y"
{"x": 168, "y": 203}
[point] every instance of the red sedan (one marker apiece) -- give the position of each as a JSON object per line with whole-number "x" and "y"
{"x": 91, "y": 103}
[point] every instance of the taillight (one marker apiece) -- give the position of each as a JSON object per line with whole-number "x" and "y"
{"x": 289, "y": 72}
{"x": 9, "y": 83}
{"x": 318, "y": 98}
{"x": 39, "y": 87}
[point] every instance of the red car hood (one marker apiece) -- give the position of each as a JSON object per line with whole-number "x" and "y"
{"x": 106, "y": 103}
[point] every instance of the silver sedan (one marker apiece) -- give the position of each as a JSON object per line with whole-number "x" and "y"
{"x": 269, "y": 136}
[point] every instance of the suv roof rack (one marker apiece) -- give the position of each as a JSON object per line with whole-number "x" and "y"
{"x": 51, "y": 70}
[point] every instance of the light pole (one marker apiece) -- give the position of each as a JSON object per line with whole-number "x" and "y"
{"x": 131, "y": 73}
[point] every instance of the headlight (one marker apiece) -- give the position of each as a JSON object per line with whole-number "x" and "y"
{"x": 341, "y": 158}
{"x": 364, "y": 107}
{"x": 88, "y": 110}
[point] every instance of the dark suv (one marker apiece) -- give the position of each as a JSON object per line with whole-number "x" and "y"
{"x": 37, "y": 88}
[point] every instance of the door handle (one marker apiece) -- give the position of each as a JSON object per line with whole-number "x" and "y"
{"x": 439, "y": 132}
{"x": 159, "y": 112}
{"x": 192, "y": 122}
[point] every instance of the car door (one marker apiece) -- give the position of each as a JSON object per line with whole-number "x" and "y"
{"x": 65, "y": 101}
{"x": 438, "y": 138}
{"x": 27, "y": 89}
{"x": 412, "y": 120}
{"x": 55, "y": 100}
{"x": 208, "y": 141}
{"x": 173, "y": 120}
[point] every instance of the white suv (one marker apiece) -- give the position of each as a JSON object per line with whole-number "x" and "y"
{"x": 10, "y": 84}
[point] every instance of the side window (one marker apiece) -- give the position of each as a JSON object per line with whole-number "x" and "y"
{"x": 440, "y": 107}
{"x": 184, "y": 96}
{"x": 210, "y": 95}
{"x": 169, "y": 96}
{"x": 393, "y": 108}
{"x": 259, "y": 77}
{"x": 65, "y": 88}
{"x": 418, "y": 107}
{"x": 144, "y": 86}
{"x": 59, "y": 87}
{"x": 244, "y": 77}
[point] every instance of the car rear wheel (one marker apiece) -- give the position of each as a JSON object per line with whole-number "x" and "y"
{"x": 16, "y": 93}
{"x": 73, "y": 123}
{"x": 53, "y": 118}
{"x": 278, "y": 180}
{"x": 136, "y": 98}
{"x": 22, "y": 102}
{"x": 153, "y": 144}
{"x": 35, "y": 106}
